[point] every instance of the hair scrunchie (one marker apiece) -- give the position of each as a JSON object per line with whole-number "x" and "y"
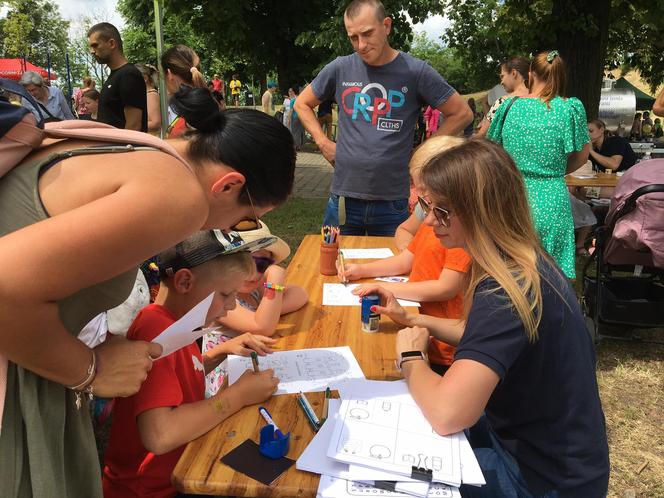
{"x": 551, "y": 55}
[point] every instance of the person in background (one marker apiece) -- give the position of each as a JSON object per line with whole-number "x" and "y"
{"x": 658, "y": 132}
{"x": 79, "y": 106}
{"x": 325, "y": 117}
{"x": 180, "y": 65}
{"x": 50, "y": 99}
{"x": 646, "y": 126}
{"x": 123, "y": 101}
{"x": 431, "y": 116}
{"x": 514, "y": 78}
{"x": 267, "y": 100}
{"x": 235, "y": 86}
{"x": 297, "y": 128}
{"x": 547, "y": 136}
{"x": 609, "y": 152}
{"x": 523, "y": 382}
{"x": 636, "y": 133}
{"x": 151, "y": 79}
{"x": 218, "y": 88}
{"x": 287, "y": 110}
{"x": 90, "y": 100}
{"x": 379, "y": 91}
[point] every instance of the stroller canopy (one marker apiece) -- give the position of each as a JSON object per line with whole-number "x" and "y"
{"x": 638, "y": 236}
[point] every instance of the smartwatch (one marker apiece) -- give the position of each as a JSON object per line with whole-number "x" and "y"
{"x": 409, "y": 356}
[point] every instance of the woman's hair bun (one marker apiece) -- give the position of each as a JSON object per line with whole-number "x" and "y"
{"x": 198, "y": 108}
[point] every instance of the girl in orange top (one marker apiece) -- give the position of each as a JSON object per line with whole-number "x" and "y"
{"x": 436, "y": 273}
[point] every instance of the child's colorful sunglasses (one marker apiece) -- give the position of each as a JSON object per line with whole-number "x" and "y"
{"x": 262, "y": 263}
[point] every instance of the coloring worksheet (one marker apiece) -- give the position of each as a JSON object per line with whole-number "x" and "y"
{"x": 342, "y": 295}
{"x": 377, "y": 253}
{"x": 305, "y": 370}
{"x": 394, "y": 436}
{"x": 332, "y": 487}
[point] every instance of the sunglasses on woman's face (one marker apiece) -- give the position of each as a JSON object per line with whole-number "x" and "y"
{"x": 246, "y": 225}
{"x": 442, "y": 215}
{"x": 262, "y": 263}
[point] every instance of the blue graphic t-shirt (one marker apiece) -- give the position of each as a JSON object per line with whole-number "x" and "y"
{"x": 378, "y": 109}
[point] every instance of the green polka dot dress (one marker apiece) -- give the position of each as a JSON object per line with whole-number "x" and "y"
{"x": 539, "y": 138}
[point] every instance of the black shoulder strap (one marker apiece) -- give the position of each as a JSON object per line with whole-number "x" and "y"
{"x": 507, "y": 109}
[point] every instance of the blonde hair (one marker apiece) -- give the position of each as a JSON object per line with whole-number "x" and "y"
{"x": 239, "y": 262}
{"x": 428, "y": 149}
{"x": 481, "y": 185}
{"x": 549, "y": 68}
{"x": 183, "y": 62}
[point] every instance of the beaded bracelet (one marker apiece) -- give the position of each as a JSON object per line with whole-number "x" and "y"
{"x": 274, "y": 287}
{"x": 86, "y": 385}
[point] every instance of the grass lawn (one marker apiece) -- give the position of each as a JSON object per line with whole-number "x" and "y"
{"x": 630, "y": 376}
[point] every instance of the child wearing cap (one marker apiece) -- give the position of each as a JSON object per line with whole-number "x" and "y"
{"x": 436, "y": 273}
{"x": 263, "y": 296}
{"x": 150, "y": 428}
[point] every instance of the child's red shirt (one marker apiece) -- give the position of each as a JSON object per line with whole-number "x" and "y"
{"x": 130, "y": 470}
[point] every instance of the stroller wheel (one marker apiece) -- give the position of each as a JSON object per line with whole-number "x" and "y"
{"x": 592, "y": 330}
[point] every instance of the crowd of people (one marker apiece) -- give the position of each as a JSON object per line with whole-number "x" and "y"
{"x": 489, "y": 246}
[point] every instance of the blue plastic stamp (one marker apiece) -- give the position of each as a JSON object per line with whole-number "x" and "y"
{"x": 370, "y": 319}
{"x": 272, "y": 443}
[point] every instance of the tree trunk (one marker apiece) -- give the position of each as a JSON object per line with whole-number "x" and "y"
{"x": 582, "y": 35}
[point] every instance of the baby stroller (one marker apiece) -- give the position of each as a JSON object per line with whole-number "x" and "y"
{"x": 626, "y": 288}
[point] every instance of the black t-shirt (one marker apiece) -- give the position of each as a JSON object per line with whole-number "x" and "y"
{"x": 546, "y": 409}
{"x": 616, "y": 146}
{"x": 124, "y": 87}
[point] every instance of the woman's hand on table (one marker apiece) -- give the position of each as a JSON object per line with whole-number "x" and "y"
{"x": 412, "y": 339}
{"x": 122, "y": 366}
{"x": 388, "y": 303}
{"x": 244, "y": 344}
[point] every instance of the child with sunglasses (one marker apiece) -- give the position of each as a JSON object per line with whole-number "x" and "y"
{"x": 436, "y": 273}
{"x": 262, "y": 298}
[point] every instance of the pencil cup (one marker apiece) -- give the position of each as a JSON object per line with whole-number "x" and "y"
{"x": 328, "y": 258}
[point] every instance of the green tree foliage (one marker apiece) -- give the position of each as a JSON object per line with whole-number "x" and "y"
{"x": 34, "y": 29}
{"x": 591, "y": 35}
{"x": 446, "y": 61}
{"x": 259, "y": 37}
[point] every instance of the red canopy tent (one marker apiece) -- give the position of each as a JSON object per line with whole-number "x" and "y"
{"x": 14, "y": 68}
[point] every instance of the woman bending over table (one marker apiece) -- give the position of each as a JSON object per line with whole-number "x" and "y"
{"x": 523, "y": 380}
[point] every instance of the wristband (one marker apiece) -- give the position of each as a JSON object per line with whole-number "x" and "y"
{"x": 409, "y": 356}
{"x": 274, "y": 287}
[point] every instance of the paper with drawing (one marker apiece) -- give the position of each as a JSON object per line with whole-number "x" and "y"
{"x": 304, "y": 370}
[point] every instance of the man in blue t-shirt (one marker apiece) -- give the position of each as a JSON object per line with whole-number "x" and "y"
{"x": 379, "y": 91}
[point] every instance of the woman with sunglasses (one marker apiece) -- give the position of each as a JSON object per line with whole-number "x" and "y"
{"x": 523, "y": 380}
{"x": 262, "y": 299}
{"x": 74, "y": 227}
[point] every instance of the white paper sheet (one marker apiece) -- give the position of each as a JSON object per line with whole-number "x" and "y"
{"x": 332, "y": 487}
{"x": 183, "y": 332}
{"x": 342, "y": 295}
{"x": 393, "y": 435}
{"x": 306, "y": 370}
{"x": 369, "y": 253}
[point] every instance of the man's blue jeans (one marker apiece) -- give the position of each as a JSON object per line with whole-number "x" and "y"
{"x": 366, "y": 217}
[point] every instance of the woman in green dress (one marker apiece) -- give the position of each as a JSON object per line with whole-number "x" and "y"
{"x": 547, "y": 137}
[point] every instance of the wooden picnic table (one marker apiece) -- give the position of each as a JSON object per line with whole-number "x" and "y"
{"x": 200, "y": 471}
{"x": 597, "y": 180}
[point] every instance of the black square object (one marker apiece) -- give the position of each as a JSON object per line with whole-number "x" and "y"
{"x": 247, "y": 460}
